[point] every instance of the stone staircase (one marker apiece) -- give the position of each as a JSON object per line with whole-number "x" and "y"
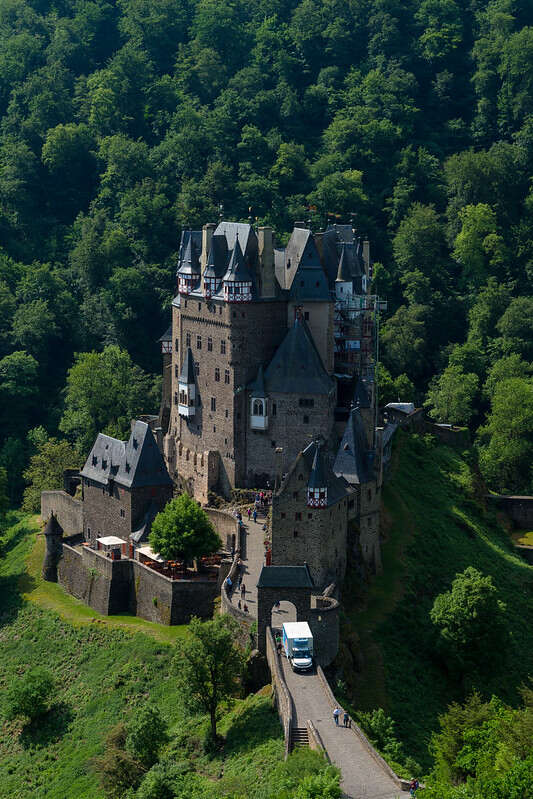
{"x": 299, "y": 737}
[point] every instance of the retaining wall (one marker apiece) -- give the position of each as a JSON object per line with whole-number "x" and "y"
{"x": 127, "y": 586}
{"x": 225, "y": 524}
{"x": 519, "y": 509}
{"x": 281, "y": 692}
{"x": 67, "y": 510}
{"x": 226, "y": 606}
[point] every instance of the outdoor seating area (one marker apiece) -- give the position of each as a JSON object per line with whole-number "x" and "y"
{"x": 179, "y": 570}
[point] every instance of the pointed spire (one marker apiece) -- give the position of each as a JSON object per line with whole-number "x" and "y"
{"x": 237, "y": 271}
{"x": 343, "y": 272}
{"x": 190, "y": 262}
{"x": 188, "y": 372}
{"x": 258, "y": 386}
{"x": 317, "y": 477}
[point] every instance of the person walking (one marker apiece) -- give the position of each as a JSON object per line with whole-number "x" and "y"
{"x": 249, "y": 513}
{"x": 336, "y": 714}
{"x": 413, "y": 787}
{"x": 255, "y": 514}
{"x": 243, "y": 591}
{"x": 345, "y": 719}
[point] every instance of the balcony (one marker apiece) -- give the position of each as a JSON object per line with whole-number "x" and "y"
{"x": 258, "y": 422}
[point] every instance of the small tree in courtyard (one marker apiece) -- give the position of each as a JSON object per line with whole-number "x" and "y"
{"x": 183, "y": 530}
{"x": 208, "y": 663}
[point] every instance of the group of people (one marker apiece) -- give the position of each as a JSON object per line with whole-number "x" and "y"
{"x": 240, "y": 587}
{"x": 413, "y": 786}
{"x": 346, "y": 720}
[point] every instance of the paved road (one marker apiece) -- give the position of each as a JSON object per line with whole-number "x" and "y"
{"x": 362, "y": 778}
{"x": 253, "y": 561}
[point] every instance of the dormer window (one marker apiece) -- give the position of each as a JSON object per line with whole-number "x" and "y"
{"x": 258, "y": 413}
{"x": 258, "y": 408}
{"x": 317, "y": 497}
{"x": 95, "y": 460}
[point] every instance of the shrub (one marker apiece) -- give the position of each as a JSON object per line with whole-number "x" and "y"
{"x": 31, "y": 695}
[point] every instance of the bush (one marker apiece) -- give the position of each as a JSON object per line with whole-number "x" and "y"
{"x": 31, "y": 695}
{"x": 147, "y": 733}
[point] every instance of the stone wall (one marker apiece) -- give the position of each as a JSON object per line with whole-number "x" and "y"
{"x": 226, "y": 526}
{"x": 518, "y": 509}
{"x": 316, "y": 536}
{"x": 127, "y": 586}
{"x": 244, "y": 620}
{"x": 67, "y": 510}
{"x": 291, "y": 427}
{"x": 106, "y": 513}
{"x": 323, "y": 619}
{"x": 281, "y": 692}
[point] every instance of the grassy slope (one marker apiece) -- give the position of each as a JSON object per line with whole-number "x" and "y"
{"x": 436, "y": 526}
{"x": 102, "y": 674}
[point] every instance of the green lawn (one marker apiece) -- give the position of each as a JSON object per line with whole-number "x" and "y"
{"x": 104, "y": 668}
{"x": 436, "y": 525}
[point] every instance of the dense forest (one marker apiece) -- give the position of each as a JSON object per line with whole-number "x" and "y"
{"x": 122, "y": 122}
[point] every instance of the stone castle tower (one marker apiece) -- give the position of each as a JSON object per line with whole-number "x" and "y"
{"x": 260, "y": 359}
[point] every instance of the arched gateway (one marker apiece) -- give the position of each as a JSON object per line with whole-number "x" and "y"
{"x": 294, "y": 584}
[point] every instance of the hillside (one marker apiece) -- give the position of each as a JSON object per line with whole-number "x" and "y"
{"x": 104, "y": 674}
{"x": 435, "y": 525}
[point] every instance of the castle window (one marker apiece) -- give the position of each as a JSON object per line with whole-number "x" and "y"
{"x": 213, "y": 404}
{"x": 306, "y": 419}
{"x": 234, "y": 314}
{"x": 188, "y": 339}
{"x": 176, "y": 371}
{"x": 199, "y": 306}
{"x": 369, "y": 494}
{"x": 300, "y": 477}
{"x": 351, "y": 503}
{"x": 177, "y": 344}
{"x": 317, "y": 284}
{"x": 295, "y": 534}
{"x": 298, "y": 517}
{"x": 302, "y": 284}
{"x": 210, "y": 344}
{"x": 185, "y": 303}
{"x": 304, "y": 402}
{"x": 226, "y": 376}
{"x": 306, "y": 316}
{"x": 122, "y": 513}
{"x": 217, "y": 374}
{"x": 274, "y": 409}
{"x": 95, "y": 460}
{"x": 243, "y": 314}
{"x": 258, "y": 408}
{"x": 198, "y": 342}
{"x": 272, "y": 444}
{"x": 309, "y": 515}
{"x": 283, "y": 515}
{"x": 214, "y": 429}
{"x": 295, "y": 495}
{"x": 227, "y": 413}
{"x": 223, "y": 347}
{"x": 197, "y": 367}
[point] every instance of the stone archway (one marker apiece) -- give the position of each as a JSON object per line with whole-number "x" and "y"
{"x": 284, "y": 613}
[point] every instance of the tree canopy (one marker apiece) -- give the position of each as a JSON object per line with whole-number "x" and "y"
{"x": 183, "y": 530}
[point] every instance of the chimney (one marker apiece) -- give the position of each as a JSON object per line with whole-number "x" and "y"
{"x": 265, "y": 240}
{"x": 366, "y": 256}
{"x": 207, "y": 235}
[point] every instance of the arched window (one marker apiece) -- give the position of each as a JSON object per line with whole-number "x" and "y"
{"x": 258, "y": 408}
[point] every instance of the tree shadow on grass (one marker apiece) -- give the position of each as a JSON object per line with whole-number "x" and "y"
{"x": 254, "y": 726}
{"x": 47, "y": 729}
{"x": 10, "y": 598}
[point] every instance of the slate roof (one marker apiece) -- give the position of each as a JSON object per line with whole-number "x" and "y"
{"x": 354, "y": 459}
{"x": 217, "y": 260}
{"x": 188, "y": 372}
{"x": 143, "y": 532}
{"x": 343, "y": 272}
{"x": 134, "y": 463}
{"x": 296, "y": 367}
{"x": 257, "y": 388}
{"x": 245, "y": 233}
{"x": 322, "y": 474}
{"x": 285, "y": 577}
{"x": 317, "y": 478}
{"x": 309, "y": 281}
{"x": 361, "y": 396}
{"x": 167, "y": 335}
{"x": 333, "y": 241}
{"x": 237, "y": 271}
{"x": 189, "y": 261}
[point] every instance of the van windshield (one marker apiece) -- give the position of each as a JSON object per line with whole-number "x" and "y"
{"x": 301, "y": 653}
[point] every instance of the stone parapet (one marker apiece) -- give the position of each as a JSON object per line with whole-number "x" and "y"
{"x": 281, "y": 692}
{"x": 67, "y": 510}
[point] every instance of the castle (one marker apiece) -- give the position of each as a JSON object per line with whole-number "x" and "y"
{"x": 270, "y": 350}
{"x": 268, "y": 382}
